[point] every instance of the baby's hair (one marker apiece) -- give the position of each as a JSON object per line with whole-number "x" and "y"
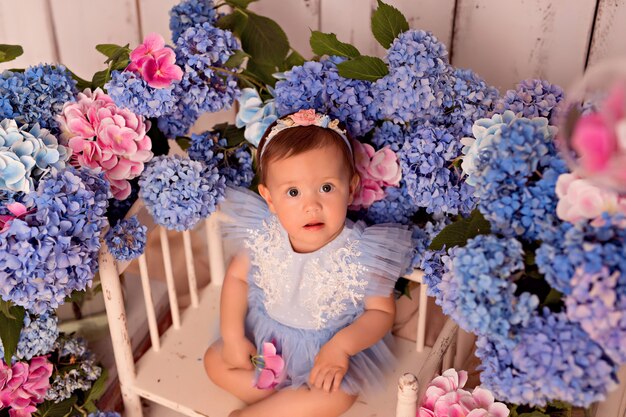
{"x": 297, "y": 140}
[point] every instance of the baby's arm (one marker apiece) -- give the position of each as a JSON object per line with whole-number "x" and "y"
{"x": 331, "y": 363}
{"x": 233, "y": 307}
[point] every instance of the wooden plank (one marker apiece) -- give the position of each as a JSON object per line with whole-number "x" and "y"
{"x": 508, "y": 41}
{"x": 296, "y": 17}
{"x": 155, "y": 17}
{"x": 37, "y": 39}
{"x": 609, "y": 32}
{"x": 81, "y": 25}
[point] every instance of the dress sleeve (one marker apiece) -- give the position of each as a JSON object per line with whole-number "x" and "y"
{"x": 242, "y": 211}
{"x": 386, "y": 251}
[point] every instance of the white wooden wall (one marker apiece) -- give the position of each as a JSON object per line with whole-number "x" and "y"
{"x": 502, "y": 40}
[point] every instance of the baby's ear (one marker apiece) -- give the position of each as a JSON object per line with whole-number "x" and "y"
{"x": 354, "y": 185}
{"x": 265, "y": 193}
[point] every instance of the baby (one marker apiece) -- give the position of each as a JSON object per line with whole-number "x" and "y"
{"x": 316, "y": 285}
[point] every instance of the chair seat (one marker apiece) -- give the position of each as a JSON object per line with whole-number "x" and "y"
{"x": 174, "y": 376}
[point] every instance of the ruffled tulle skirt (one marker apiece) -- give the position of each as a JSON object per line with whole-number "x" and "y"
{"x": 300, "y": 346}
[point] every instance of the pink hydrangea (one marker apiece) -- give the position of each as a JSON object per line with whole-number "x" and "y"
{"x": 24, "y": 385}
{"x": 580, "y": 199}
{"x": 377, "y": 169}
{"x": 155, "y": 62}
{"x": 445, "y": 397}
{"x": 271, "y": 366}
{"x": 106, "y": 138}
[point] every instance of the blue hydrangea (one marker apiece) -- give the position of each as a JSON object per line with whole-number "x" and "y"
{"x": 80, "y": 377}
{"x": 36, "y": 338}
{"x": 179, "y": 192}
{"x": 422, "y": 238}
{"x": 178, "y": 122}
{"x": 389, "y": 134}
{"x": 581, "y": 246}
{"x": 127, "y": 239}
{"x": 26, "y": 155}
{"x": 54, "y": 251}
{"x": 553, "y": 360}
{"x": 255, "y": 115}
{"x": 426, "y": 158}
{"x": 419, "y": 78}
{"x": 189, "y": 13}
{"x": 130, "y": 91}
{"x": 206, "y": 85}
{"x": 104, "y": 414}
{"x": 477, "y": 291}
{"x": 598, "y": 303}
{"x": 119, "y": 208}
{"x": 396, "y": 207}
{"x": 37, "y": 95}
{"x": 318, "y": 85}
{"x": 432, "y": 265}
{"x": 532, "y": 98}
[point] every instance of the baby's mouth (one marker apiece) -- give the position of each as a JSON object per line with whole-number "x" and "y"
{"x": 314, "y": 225}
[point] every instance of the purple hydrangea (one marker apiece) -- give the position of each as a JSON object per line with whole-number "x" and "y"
{"x": 318, "y": 85}
{"x": 179, "y": 192}
{"x": 53, "y": 252}
{"x": 396, "y": 207}
{"x": 389, "y": 134}
{"x": 127, "y": 239}
{"x": 36, "y": 95}
{"x": 178, "y": 122}
{"x": 37, "y": 336}
{"x": 532, "y": 98}
{"x": 189, "y": 13}
{"x": 130, "y": 91}
{"x": 554, "y": 359}
{"x": 422, "y": 238}
{"x": 432, "y": 265}
{"x": 477, "y": 290}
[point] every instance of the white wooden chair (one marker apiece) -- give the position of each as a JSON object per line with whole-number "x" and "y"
{"x": 172, "y": 374}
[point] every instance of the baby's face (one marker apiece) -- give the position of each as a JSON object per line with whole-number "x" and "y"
{"x": 310, "y": 194}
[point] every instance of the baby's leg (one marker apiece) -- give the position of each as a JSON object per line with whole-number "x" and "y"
{"x": 236, "y": 381}
{"x": 302, "y": 402}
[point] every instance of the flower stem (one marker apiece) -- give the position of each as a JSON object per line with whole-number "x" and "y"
{"x": 247, "y": 78}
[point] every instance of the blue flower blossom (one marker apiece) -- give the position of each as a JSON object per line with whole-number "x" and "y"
{"x": 130, "y": 91}
{"x": 104, "y": 414}
{"x": 189, "y": 13}
{"x": 389, "y": 134}
{"x": 432, "y": 265}
{"x": 396, "y": 207}
{"x": 532, "y": 98}
{"x": 255, "y": 115}
{"x": 178, "y": 122}
{"x": 36, "y": 338}
{"x": 180, "y": 192}
{"x": 554, "y": 359}
{"x": 422, "y": 238}
{"x": 127, "y": 239}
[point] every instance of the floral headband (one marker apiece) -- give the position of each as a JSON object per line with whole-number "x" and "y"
{"x": 306, "y": 118}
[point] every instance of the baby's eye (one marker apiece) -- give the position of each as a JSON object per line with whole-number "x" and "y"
{"x": 326, "y": 188}
{"x": 293, "y": 192}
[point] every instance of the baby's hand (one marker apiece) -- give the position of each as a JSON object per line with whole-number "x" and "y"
{"x": 331, "y": 364}
{"x": 237, "y": 352}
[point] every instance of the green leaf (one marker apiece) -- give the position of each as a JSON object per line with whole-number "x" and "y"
{"x": 328, "y": 44}
{"x": 81, "y": 83}
{"x": 112, "y": 51}
{"x": 99, "y": 79}
{"x": 534, "y": 414}
{"x": 387, "y": 23}
{"x": 232, "y": 133}
{"x": 183, "y": 142}
{"x": 260, "y": 71}
{"x": 98, "y": 387}
{"x": 292, "y": 60}
{"x": 264, "y": 40}
{"x": 50, "y": 409}
{"x": 554, "y": 297}
{"x": 10, "y": 52}
{"x": 90, "y": 407}
{"x": 11, "y": 323}
{"x": 235, "y": 22}
{"x": 236, "y": 59}
{"x": 458, "y": 233}
{"x": 239, "y": 3}
{"x": 363, "y": 68}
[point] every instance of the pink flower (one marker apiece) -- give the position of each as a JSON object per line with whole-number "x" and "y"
{"x": 384, "y": 166}
{"x": 484, "y": 405}
{"x": 449, "y": 381}
{"x": 272, "y": 367}
{"x": 368, "y": 192}
{"x": 18, "y": 211}
{"x": 38, "y": 378}
{"x": 363, "y": 154}
{"x": 155, "y": 62}
{"x": 304, "y": 117}
{"x": 579, "y": 199}
{"x": 594, "y": 140}
{"x": 106, "y": 138}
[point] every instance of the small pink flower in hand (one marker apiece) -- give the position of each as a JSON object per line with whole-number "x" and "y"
{"x": 304, "y": 117}
{"x": 271, "y": 366}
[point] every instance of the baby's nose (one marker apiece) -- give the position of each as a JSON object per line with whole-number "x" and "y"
{"x": 312, "y": 205}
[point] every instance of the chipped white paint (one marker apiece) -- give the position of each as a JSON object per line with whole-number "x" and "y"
{"x": 609, "y": 37}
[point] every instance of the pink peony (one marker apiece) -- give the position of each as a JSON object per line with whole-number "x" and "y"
{"x": 38, "y": 378}
{"x": 368, "y": 192}
{"x": 579, "y": 199}
{"x": 272, "y": 367}
{"x": 384, "y": 166}
{"x": 17, "y": 210}
{"x": 155, "y": 62}
{"x": 304, "y": 117}
{"x": 106, "y": 138}
{"x": 23, "y": 385}
{"x": 594, "y": 140}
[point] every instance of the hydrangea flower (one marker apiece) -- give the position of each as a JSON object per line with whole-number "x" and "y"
{"x": 532, "y": 98}
{"x": 425, "y": 158}
{"x": 389, "y": 134}
{"x": 206, "y": 85}
{"x": 554, "y": 359}
{"x": 130, "y": 91}
{"x": 105, "y": 137}
{"x": 104, "y": 414}
{"x": 127, "y": 239}
{"x": 432, "y": 265}
{"x": 318, "y": 86}
{"x": 476, "y": 289}
{"x": 422, "y": 238}
{"x": 36, "y": 338}
{"x": 255, "y": 115}
{"x": 179, "y": 192}
{"x": 178, "y": 122}
{"x": 189, "y": 13}
{"x": 26, "y": 155}
{"x": 54, "y": 251}
{"x": 395, "y": 207}
{"x": 37, "y": 95}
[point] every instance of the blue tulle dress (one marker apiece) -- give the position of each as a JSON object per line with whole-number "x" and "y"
{"x": 300, "y": 300}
